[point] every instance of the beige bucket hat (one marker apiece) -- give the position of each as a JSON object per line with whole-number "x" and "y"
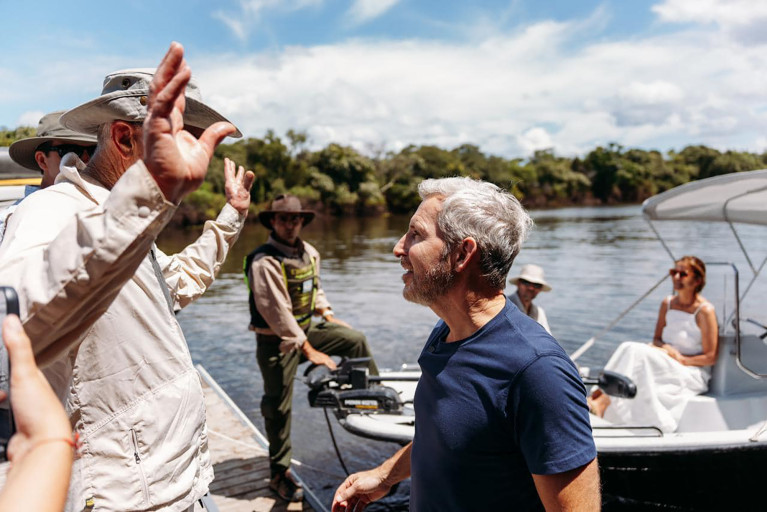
{"x": 532, "y": 274}
{"x": 48, "y": 129}
{"x": 124, "y": 97}
{"x": 285, "y": 203}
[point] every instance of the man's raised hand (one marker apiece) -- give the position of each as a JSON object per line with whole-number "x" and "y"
{"x": 175, "y": 158}
{"x": 237, "y": 186}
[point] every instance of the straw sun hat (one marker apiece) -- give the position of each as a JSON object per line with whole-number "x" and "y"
{"x": 532, "y": 274}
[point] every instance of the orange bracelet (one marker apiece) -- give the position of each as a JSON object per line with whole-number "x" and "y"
{"x": 74, "y": 441}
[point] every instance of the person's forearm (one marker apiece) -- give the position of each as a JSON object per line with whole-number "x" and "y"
{"x": 45, "y": 467}
{"x": 190, "y": 272}
{"x": 397, "y": 467}
{"x": 699, "y": 360}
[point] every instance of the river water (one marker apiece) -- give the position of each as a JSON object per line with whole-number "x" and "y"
{"x": 598, "y": 260}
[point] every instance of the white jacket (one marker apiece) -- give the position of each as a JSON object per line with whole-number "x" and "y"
{"x": 92, "y": 303}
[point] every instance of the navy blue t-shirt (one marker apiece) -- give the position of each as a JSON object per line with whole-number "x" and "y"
{"x": 492, "y": 409}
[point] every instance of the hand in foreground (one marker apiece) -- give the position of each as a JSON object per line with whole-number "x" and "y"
{"x": 316, "y": 357}
{"x": 359, "y": 490}
{"x": 237, "y": 186}
{"x": 40, "y": 453}
{"x": 38, "y": 413}
{"x": 175, "y": 158}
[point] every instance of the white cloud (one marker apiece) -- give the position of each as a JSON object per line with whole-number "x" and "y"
{"x": 363, "y": 11}
{"x": 742, "y": 20}
{"x": 651, "y": 93}
{"x": 550, "y": 84}
{"x": 234, "y": 23}
{"x": 31, "y": 118}
{"x": 250, "y": 13}
{"x": 543, "y": 86}
{"x": 535, "y": 139}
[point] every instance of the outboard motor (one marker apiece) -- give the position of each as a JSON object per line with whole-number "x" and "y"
{"x": 348, "y": 389}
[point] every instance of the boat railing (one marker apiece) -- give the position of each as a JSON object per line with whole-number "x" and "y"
{"x": 645, "y": 430}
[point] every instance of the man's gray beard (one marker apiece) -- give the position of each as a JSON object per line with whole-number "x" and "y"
{"x": 434, "y": 283}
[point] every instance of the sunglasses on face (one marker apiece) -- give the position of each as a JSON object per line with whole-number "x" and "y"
{"x": 537, "y": 286}
{"x": 286, "y": 218}
{"x": 63, "y": 149}
{"x": 682, "y": 273}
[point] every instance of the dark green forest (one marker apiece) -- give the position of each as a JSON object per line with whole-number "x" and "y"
{"x": 342, "y": 181}
{"x": 338, "y": 180}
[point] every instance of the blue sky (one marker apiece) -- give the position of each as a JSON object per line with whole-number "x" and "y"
{"x": 510, "y": 76}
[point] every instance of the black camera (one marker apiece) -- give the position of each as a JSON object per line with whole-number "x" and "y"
{"x": 9, "y": 304}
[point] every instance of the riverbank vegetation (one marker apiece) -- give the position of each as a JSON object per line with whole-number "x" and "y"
{"x": 339, "y": 180}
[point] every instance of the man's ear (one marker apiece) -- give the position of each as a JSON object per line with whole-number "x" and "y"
{"x": 122, "y": 137}
{"x": 467, "y": 251}
{"x": 42, "y": 163}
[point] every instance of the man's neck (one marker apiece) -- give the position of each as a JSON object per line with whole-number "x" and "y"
{"x": 467, "y": 311}
{"x": 105, "y": 169}
{"x": 295, "y": 243}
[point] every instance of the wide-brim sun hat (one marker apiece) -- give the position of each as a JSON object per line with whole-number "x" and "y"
{"x": 532, "y": 274}
{"x": 124, "y": 97}
{"x": 285, "y": 203}
{"x": 48, "y": 129}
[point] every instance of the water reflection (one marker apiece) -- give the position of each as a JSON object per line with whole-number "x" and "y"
{"x": 599, "y": 260}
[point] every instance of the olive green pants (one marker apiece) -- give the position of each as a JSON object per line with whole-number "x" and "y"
{"x": 279, "y": 370}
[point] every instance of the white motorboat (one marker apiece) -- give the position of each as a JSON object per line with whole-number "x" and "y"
{"x": 717, "y": 457}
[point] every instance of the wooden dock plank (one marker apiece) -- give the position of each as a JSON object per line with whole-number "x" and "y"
{"x": 240, "y": 464}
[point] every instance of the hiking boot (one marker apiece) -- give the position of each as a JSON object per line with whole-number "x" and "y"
{"x": 286, "y": 486}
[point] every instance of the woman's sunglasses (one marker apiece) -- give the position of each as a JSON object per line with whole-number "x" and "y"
{"x": 63, "y": 149}
{"x": 682, "y": 273}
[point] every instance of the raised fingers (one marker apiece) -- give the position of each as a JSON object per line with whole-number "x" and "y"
{"x": 169, "y": 82}
{"x": 248, "y": 179}
{"x": 20, "y": 354}
{"x": 228, "y": 170}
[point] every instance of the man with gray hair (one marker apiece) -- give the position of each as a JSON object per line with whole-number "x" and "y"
{"x": 501, "y": 416}
{"x": 98, "y": 298}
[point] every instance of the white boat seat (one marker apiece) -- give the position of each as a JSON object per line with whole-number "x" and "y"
{"x": 727, "y": 378}
{"x": 705, "y": 413}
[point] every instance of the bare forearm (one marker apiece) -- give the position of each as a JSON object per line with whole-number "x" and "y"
{"x": 575, "y": 490}
{"x": 397, "y": 467}
{"x": 699, "y": 360}
{"x": 47, "y": 466}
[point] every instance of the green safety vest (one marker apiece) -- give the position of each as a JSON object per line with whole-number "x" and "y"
{"x": 301, "y": 281}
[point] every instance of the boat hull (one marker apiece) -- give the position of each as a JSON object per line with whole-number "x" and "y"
{"x": 727, "y": 478}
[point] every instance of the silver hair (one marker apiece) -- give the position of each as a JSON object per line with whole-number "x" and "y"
{"x": 491, "y": 216}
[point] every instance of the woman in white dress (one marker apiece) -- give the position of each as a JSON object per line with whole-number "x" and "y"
{"x": 676, "y": 366}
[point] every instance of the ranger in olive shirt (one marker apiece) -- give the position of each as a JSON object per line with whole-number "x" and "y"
{"x": 285, "y": 292}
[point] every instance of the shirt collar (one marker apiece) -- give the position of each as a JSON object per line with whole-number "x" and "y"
{"x": 70, "y": 169}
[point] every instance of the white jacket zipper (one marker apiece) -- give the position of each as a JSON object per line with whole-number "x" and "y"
{"x": 134, "y": 438}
